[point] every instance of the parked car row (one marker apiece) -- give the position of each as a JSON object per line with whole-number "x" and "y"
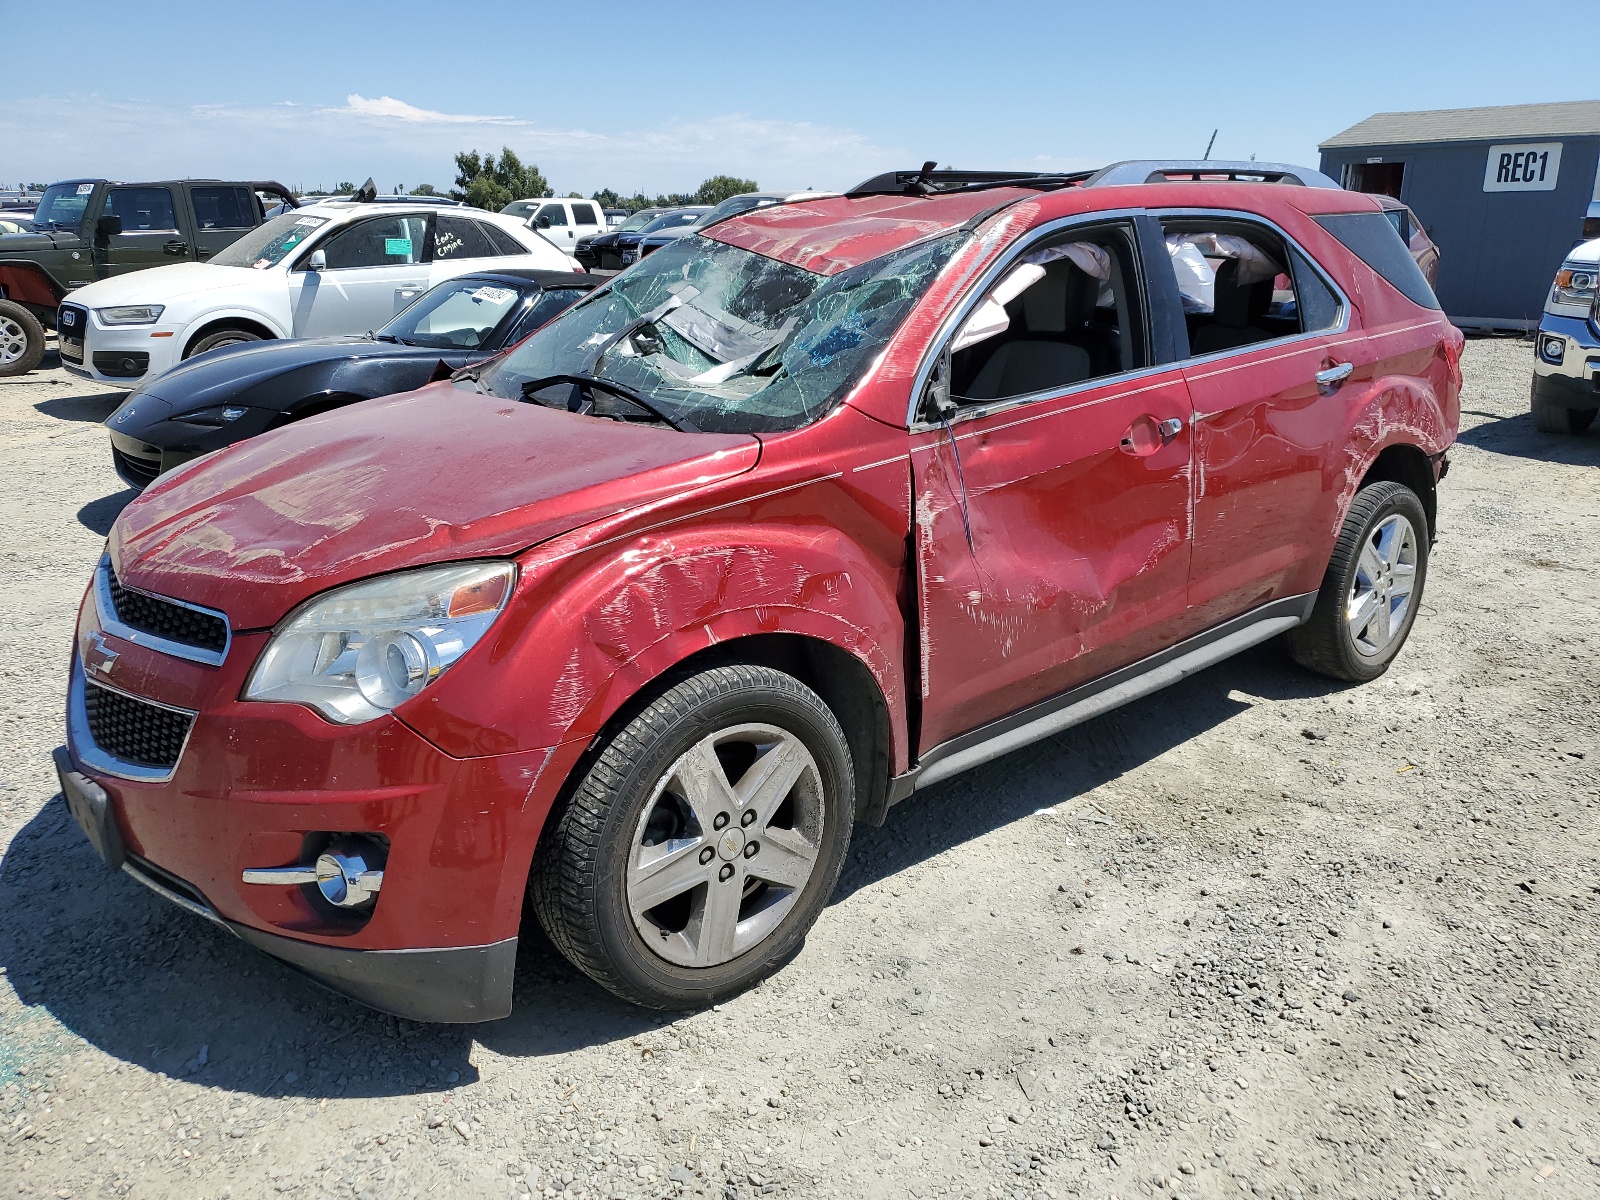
{"x": 627, "y": 624}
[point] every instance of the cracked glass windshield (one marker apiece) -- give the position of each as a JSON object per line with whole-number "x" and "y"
{"x": 706, "y": 336}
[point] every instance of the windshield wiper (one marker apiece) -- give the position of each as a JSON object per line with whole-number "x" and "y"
{"x": 580, "y": 382}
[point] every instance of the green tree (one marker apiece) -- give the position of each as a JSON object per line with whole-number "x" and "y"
{"x": 345, "y": 189}
{"x": 719, "y": 187}
{"x": 484, "y": 182}
{"x": 424, "y": 189}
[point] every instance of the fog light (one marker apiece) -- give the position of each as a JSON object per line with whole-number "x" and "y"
{"x": 345, "y": 879}
{"x": 1552, "y": 349}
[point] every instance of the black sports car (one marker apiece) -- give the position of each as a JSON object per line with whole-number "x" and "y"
{"x": 235, "y": 392}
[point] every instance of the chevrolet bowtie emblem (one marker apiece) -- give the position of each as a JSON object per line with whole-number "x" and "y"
{"x": 97, "y": 659}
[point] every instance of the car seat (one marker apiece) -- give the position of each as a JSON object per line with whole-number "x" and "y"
{"x": 1237, "y": 309}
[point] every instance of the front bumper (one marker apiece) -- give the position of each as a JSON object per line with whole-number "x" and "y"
{"x": 1574, "y": 382}
{"x": 255, "y": 784}
{"x": 121, "y": 356}
{"x": 450, "y": 984}
{"x": 147, "y": 441}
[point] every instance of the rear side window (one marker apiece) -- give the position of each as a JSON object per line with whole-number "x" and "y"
{"x": 457, "y": 237}
{"x": 583, "y": 214}
{"x": 223, "y": 207}
{"x": 1375, "y": 241}
{"x": 502, "y": 241}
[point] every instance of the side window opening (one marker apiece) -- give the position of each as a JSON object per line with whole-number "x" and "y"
{"x": 556, "y": 213}
{"x": 584, "y": 214}
{"x": 223, "y": 207}
{"x": 1241, "y": 284}
{"x": 143, "y": 209}
{"x": 1066, "y": 313}
{"x": 458, "y": 237}
{"x": 378, "y": 242}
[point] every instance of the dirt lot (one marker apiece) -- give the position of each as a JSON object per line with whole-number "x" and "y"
{"x": 1257, "y": 935}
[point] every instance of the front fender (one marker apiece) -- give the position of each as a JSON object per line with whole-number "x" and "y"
{"x": 278, "y": 325}
{"x": 28, "y": 283}
{"x": 586, "y": 636}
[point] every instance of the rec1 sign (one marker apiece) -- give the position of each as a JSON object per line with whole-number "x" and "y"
{"x": 1523, "y": 167}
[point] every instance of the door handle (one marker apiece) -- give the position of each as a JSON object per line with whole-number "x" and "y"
{"x": 1328, "y": 380}
{"x": 176, "y": 247}
{"x": 1145, "y": 435}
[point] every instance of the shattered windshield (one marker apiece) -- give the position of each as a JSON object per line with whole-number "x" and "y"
{"x": 711, "y": 337}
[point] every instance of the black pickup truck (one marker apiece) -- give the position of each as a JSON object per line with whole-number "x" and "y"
{"x": 87, "y": 229}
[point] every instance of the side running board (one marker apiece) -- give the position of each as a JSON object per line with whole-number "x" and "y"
{"x": 1090, "y": 700}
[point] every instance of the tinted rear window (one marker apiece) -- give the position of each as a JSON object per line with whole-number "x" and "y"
{"x": 1373, "y": 239}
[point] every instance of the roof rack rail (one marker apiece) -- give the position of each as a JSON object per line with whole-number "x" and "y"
{"x": 929, "y": 181}
{"x": 1161, "y": 170}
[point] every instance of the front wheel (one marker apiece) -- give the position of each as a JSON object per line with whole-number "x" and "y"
{"x": 1371, "y": 590}
{"x": 223, "y": 337}
{"x": 21, "y": 339}
{"x": 1556, "y": 418}
{"x": 703, "y": 842}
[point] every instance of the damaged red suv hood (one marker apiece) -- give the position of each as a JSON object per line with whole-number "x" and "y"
{"x": 429, "y": 476}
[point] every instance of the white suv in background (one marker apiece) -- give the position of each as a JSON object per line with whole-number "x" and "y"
{"x": 331, "y": 268}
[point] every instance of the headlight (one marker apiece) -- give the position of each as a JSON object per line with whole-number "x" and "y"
{"x": 1552, "y": 348}
{"x": 131, "y": 314}
{"x": 1574, "y": 285}
{"x": 214, "y": 417}
{"x": 359, "y": 651}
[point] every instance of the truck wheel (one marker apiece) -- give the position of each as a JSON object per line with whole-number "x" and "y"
{"x": 702, "y": 843}
{"x": 21, "y": 339}
{"x": 223, "y": 337}
{"x": 1554, "y": 418}
{"x": 1371, "y": 590}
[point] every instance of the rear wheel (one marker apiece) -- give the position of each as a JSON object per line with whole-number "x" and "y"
{"x": 704, "y": 841}
{"x": 1372, "y": 587}
{"x": 1555, "y": 418}
{"x": 21, "y": 339}
{"x": 223, "y": 337}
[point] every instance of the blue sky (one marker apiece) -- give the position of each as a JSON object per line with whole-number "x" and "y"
{"x": 659, "y": 96}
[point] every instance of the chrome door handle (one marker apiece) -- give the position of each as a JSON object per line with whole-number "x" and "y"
{"x": 1170, "y": 428}
{"x": 1330, "y": 379}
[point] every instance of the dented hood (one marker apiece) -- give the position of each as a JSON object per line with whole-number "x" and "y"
{"x": 429, "y": 476}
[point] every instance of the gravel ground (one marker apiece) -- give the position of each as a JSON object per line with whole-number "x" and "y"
{"x": 1259, "y": 934}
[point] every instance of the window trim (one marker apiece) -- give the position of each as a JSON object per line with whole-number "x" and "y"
{"x": 1229, "y": 214}
{"x": 134, "y": 187}
{"x": 991, "y": 275}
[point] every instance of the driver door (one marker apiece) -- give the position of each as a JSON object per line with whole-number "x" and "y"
{"x": 375, "y": 267}
{"x": 1052, "y": 497}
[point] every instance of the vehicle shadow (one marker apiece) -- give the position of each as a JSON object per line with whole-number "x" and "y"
{"x": 1517, "y": 437}
{"x": 1057, "y": 771}
{"x": 154, "y": 986}
{"x": 96, "y": 407}
{"x": 98, "y": 516}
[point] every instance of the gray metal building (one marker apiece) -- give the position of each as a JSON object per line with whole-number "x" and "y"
{"x": 1503, "y": 191}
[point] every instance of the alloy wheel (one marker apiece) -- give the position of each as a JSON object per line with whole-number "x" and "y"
{"x": 1381, "y": 592}
{"x": 13, "y": 341}
{"x": 725, "y": 845}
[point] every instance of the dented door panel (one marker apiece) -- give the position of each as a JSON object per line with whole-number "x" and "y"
{"x": 1079, "y": 554}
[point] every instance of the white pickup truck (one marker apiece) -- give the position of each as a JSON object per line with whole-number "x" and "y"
{"x": 1566, "y": 351}
{"x": 561, "y": 220}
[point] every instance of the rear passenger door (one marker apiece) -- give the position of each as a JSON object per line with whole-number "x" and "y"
{"x": 1052, "y": 530}
{"x": 461, "y": 246}
{"x": 222, "y": 214}
{"x": 1262, "y": 321}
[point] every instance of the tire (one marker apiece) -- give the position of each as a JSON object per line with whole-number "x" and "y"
{"x": 223, "y": 337}
{"x": 1347, "y": 637}
{"x": 1555, "y": 418}
{"x": 650, "y": 933}
{"x": 21, "y": 339}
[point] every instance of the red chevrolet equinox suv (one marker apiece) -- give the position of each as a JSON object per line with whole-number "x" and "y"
{"x": 824, "y": 504}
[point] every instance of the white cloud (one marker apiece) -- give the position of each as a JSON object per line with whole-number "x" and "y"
{"x": 389, "y": 107}
{"x": 393, "y": 141}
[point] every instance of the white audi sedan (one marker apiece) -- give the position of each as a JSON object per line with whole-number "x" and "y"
{"x": 330, "y": 268}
